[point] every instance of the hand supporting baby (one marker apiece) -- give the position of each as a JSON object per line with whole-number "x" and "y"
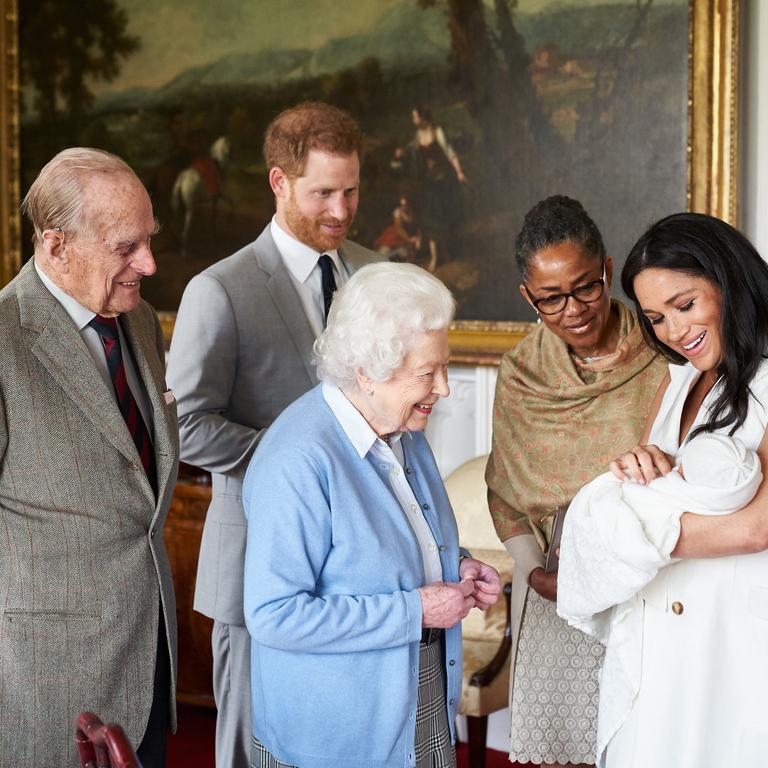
{"x": 643, "y": 464}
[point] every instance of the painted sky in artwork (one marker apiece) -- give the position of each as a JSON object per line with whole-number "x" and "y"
{"x": 179, "y": 34}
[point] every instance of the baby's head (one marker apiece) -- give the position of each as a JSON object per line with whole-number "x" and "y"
{"x": 717, "y": 461}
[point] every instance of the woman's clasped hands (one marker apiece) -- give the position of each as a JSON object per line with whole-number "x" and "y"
{"x": 444, "y": 604}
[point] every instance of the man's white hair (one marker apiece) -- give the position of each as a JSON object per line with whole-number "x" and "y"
{"x": 374, "y": 319}
{"x": 56, "y": 198}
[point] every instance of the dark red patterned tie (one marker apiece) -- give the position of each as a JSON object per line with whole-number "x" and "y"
{"x": 106, "y": 327}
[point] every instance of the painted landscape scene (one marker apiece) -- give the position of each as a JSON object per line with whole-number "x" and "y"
{"x": 473, "y": 110}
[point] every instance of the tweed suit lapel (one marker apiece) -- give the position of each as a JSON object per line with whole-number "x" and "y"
{"x": 286, "y": 299}
{"x": 64, "y": 355}
{"x": 141, "y": 336}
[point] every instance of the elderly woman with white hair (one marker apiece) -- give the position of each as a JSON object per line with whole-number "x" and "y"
{"x": 354, "y": 584}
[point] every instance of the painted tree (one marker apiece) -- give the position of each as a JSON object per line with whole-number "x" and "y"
{"x": 491, "y": 67}
{"x": 66, "y": 46}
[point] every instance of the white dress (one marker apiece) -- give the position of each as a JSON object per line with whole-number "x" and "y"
{"x": 703, "y": 698}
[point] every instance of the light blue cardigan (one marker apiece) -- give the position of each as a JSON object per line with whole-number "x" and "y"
{"x": 331, "y": 572}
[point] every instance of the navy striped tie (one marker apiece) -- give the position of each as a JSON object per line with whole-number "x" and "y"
{"x": 106, "y": 327}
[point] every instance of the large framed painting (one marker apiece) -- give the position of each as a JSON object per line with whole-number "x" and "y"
{"x": 473, "y": 111}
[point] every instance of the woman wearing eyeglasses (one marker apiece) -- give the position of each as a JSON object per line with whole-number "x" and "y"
{"x": 574, "y": 392}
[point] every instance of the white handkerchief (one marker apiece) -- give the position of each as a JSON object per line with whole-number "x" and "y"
{"x": 169, "y": 396}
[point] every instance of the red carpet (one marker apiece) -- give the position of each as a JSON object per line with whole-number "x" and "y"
{"x": 493, "y": 759}
{"x": 192, "y": 746}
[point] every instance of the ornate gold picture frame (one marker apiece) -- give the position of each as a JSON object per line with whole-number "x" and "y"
{"x": 712, "y": 147}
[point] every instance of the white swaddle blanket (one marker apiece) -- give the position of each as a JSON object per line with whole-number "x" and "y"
{"x": 618, "y": 534}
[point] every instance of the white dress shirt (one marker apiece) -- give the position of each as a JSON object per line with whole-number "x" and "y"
{"x": 301, "y": 262}
{"x": 390, "y": 458}
{"x": 81, "y": 317}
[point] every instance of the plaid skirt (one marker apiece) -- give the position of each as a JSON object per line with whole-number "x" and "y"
{"x": 433, "y": 735}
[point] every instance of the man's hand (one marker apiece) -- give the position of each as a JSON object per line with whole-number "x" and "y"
{"x": 544, "y": 583}
{"x": 486, "y": 578}
{"x": 445, "y": 605}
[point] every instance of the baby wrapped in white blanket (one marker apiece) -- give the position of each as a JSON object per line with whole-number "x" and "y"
{"x": 618, "y": 534}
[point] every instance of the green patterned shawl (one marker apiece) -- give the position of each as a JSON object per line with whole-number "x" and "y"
{"x": 558, "y": 422}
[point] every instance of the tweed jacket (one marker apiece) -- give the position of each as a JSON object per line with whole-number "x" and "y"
{"x": 83, "y": 568}
{"x": 241, "y": 352}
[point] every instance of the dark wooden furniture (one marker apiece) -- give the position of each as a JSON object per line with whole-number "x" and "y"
{"x": 183, "y": 531}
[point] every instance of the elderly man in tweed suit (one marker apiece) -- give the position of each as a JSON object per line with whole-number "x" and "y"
{"x": 88, "y": 461}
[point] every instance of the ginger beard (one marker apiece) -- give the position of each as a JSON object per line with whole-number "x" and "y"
{"x": 321, "y": 233}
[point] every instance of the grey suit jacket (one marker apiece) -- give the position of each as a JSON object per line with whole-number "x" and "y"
{"x": 241, "y": 352}
{"x": 83, "y": 569}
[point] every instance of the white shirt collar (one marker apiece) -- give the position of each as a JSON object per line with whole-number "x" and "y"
{"x": 357, "y": 429}
{"x": 79, "y": 314}
{"x": 298, "y": 257}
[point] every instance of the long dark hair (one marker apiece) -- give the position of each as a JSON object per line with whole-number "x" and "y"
{"x": 703, "y": 246}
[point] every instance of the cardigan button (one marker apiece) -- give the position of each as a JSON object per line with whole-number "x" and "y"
{"x": 425, "y": 506}
{"x": 408, "y": 471}
{"x": 452, "y": 663}
{"x": 677, "y": 608}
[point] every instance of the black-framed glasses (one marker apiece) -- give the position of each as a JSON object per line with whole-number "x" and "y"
{"x": 556, "y": 303}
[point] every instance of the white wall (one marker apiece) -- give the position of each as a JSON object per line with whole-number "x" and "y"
{"x": 460, "y": 427}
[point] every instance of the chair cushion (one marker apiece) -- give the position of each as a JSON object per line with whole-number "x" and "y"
{"x": 482, "y": 631}
{"x": 469, "y": 499}
{"x": 476, "y": 701}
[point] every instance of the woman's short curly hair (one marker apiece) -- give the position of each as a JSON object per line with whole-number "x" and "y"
{"x": 558, "y": 219}
{"x": 374, "y": 319}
